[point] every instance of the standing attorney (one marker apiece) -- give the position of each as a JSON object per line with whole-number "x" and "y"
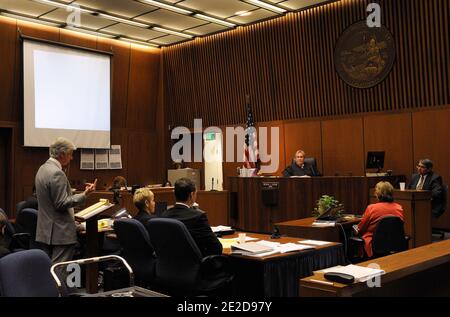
{"x": 56, "y": 227}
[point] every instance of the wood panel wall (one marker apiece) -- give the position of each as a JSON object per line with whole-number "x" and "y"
{"x": 287, "y": 66}
{"x": 137, "y": 117}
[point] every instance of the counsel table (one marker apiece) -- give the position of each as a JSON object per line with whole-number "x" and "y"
{"x": 278, "y": 275}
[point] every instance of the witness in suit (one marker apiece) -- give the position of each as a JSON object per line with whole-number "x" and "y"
{"x": 144, "y": 200}
{"x": 426, "y": 179}
{"x": 195, "y": 219}
{"x": 385, "y": 206}
{"x": 299, "y": 167}
{"x": 56, "y": 227}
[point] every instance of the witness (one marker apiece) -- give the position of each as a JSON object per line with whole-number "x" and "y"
{"x": 384, "y": 207}
{"x": 195, "y": 219}
{"x": 144, "y": 201}
{"x": 426, "y": 179}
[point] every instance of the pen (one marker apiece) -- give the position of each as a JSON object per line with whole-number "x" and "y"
{"x": 321, "y": 282}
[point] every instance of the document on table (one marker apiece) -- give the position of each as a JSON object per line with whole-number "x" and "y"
{"x": 360, "y": 273}
{"x": 314, "y": 242}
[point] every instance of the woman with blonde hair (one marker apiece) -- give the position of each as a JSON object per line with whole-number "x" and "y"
{"x": 385, "y": 206}
{"x": 144, "y": 200}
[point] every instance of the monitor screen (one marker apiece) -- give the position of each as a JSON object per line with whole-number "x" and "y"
{"x": 375, "y": 160}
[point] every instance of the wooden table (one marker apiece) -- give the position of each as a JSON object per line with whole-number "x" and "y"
{"x": 277, "y": 275}
{"x": 303, "y": 228}
{"x": 421, "y": 271}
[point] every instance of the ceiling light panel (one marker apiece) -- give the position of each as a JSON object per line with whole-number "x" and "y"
{"x": 26, "y": 7}
{"x": 256, "y": 15}
{"x": 133, "y": 32}
{"x": 86, "y": 20}
{"x": 300, "y": 4}
{"x": 125, "y": 8}
{"x": 167, "y": 7}
{"x": 170, "y": 20}
{"x": 218, "y": 8}
{"x": 169, "y": 39}
{"x": 207, "y": 28}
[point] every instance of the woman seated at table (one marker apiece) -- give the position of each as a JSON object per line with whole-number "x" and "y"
{"x": 384, "y": 207}
{"x": 144, "y": 200}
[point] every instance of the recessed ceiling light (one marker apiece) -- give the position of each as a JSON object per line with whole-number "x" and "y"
{"x": 243, "y": 13}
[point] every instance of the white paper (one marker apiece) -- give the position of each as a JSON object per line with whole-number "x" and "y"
{"x": 314, "y": 242}
{"x": 101, "y": 159}
{"x": 87, "y": 159}
{"x": 323, "y": 224}
{"x": 115, "y": 157}
{"x": 289, "y": 247}
{"x": 360, "y": 273}
{"x": 220, "y": 228}
{"x": 269, "y": 244}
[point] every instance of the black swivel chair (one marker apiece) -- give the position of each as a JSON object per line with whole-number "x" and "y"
{"x": 312, "y": 161}
{"x": 389, "y": 237}
{"x": 15, "y": 241}
{"x": 136, "y": 249}
{"x": 27, "y": 274}
{"x": 27, "y": 221}
{"x": 437, "y": 231}
{"x": 180, "y": 268}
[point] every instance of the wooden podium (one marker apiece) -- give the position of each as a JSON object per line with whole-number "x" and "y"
{"x": 417, "y": 214}
{"x": 90, "y": 216}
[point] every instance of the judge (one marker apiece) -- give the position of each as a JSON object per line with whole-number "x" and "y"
{"x": 299, "y": 167}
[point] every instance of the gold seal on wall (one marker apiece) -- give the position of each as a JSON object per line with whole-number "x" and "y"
{"x": 364, "y": 56}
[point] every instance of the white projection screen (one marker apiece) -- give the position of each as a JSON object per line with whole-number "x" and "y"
{"x": 67, "y": 92}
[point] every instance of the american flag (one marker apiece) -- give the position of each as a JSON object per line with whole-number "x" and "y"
{"x": 251, "y": 154}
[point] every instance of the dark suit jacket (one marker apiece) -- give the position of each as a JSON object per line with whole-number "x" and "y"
{"x": 295, "y": 170}
{"x": 433, "y": 182}
{"x": 197, "y": 224}
{"x": 143, "y": 217}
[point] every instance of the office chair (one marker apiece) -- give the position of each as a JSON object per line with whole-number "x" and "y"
{"x": 15, "y": 241}
{"x": 312, "y": 161}
{"x": 180, "y": 268}
{"x": 26, "y": 222}
{"x": 389, "y": 237}
{"x": 136, "y": 249}
{"x": 437, "y": 231}
{"x": 27, "y": 274}
{"x": 19, "y": 206}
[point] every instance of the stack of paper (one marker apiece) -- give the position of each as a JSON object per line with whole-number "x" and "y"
{"x": 314, "y": 242}
{"x": 289, "y": 247}
{"x": 360, "y": 273}
{"x": 250, "y": 248}
{"x": 269, "y": 244}
{"x": 220, "y": 228}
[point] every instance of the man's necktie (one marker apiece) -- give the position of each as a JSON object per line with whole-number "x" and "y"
{"x": 420, "y": 183}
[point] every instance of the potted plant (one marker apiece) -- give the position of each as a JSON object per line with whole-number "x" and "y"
{"x": 324, "y": 203}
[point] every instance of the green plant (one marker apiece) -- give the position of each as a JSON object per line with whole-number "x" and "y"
{"x": 324, "y": 203}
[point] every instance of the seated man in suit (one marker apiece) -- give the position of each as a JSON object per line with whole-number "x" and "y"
{"x": 195, "y": 219}
{"x": 144, "y": 200}
{"x": 426, "y": 179}
{"x": 299, "y": 167}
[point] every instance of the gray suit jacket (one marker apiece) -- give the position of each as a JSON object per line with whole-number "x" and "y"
{"x": 55, "y": 224}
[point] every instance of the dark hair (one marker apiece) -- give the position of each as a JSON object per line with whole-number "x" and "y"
{"x": 427, "y": 163}
{"x": 183, "y": 188}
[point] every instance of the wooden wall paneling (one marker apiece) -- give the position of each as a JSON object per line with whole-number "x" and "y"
{"x": 393, "y": 134}
{"x": 290, "y": 62}
{"x": 342, "y": 146}
{"x": 304, "y": 135}
{"x": 142, "y": 88}
{"x": 8, "y": 79}
{"x": 78, "y": 39}
{"x": 120, "y": 76}
{"x": 431, "y": 131}
{"x": 141, "y": 158}
{"x": 279, "y": 148}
